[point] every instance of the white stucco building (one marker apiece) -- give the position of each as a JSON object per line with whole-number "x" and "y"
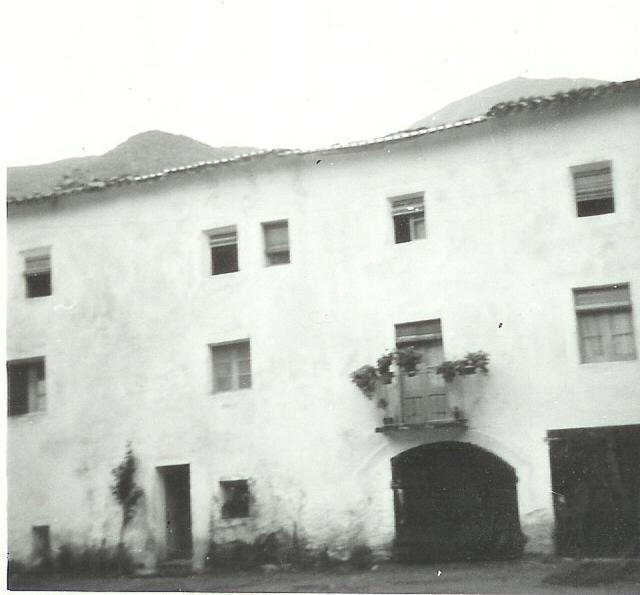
{"x": 211, "y": 316}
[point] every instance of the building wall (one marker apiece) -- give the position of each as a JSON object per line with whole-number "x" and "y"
{"x": 133, "y": 309}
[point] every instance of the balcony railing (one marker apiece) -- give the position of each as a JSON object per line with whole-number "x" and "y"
{"x": 423, "y": 399}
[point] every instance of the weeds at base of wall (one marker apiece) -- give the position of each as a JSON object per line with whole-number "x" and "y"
{"x": 95, "y": 560}
{"x": 594, "y": 572}
{"x": 91, "y": 561}
{"x": 279, "y": 550}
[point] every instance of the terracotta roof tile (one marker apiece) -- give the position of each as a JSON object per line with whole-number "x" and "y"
{"x": 499, "y": 110}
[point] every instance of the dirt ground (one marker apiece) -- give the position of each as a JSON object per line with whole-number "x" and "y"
{"x": 523, "y": 576}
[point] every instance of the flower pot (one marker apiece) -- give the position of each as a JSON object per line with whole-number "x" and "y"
{"x": 386, "y": 377}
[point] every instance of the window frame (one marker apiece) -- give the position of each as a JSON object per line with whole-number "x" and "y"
{"x": 233, "y": 347}
{"x": 34, "y": 271}
{"x": 36, "y": 387}
{"x": 279, "y": 249}
{"x": 223, "y": 237}
{"x": 607, "y": 202}
{"x": 409, "y": 209}
{"x": 226, "y": 486}
{"x": 601, "y": 313}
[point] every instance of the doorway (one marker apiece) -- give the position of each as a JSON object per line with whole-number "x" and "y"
{"x": 595, "y": 476}
{"x": 454, "y": 501}
{"x": 176, "y": 483}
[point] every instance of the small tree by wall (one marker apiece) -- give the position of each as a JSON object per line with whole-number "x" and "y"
{"x": 125, "y": 490}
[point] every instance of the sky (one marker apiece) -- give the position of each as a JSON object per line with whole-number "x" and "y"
{"x": 82, "y": 76}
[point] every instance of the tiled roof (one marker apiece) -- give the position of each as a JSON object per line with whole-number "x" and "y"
{"x": 499, "y": 110}
{"x": 574, "y": 96}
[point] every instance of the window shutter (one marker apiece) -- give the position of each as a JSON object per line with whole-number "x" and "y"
{"x": 223, "y": 236}
{"x": 276, "y": 237}
{"x": 407, "y": 206}
{"x": 612, "y": 296}
{"x": 593, "y": 181}
{"x": 420, "y": 330}
{"x": 37, "y": 264}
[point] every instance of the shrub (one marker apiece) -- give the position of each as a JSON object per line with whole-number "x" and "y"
{"x": 361, "y": 557}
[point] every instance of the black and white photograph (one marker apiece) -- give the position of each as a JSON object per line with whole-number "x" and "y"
{"x": 322, "y": 296}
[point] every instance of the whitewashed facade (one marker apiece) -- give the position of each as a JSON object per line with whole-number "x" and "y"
{"x": 126, "y": 332}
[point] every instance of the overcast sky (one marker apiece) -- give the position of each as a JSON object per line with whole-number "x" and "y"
{"x": 82, "y": 76}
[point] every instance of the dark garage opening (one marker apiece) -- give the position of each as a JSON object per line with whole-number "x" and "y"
{"x": 595, "y": 475}
{"x": 455, "y": 501}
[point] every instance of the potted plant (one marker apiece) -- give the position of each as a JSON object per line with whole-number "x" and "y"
{"x": 408, "y": 359}
{"x": 384, "y": 367}
{"x": 447, "y": 370}
{"x": 478, "y": 360}
{"x": 365, "y": 379}
{"x": 474, "y": 361}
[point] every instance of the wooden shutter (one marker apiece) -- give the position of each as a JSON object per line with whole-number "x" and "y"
{"x": 407, "y": 205}
{"x": 593, "y": 181}
{"x": 223, "y": 236}
{"x": 37, "y": 264}
{"x": 422, "y": 330}
{"x": 603, "y": 298}
{"x": 276, "y": 237}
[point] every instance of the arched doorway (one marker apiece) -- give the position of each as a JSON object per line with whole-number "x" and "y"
{"x": 455, "y": 501}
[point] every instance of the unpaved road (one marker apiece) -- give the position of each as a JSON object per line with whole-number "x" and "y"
{"x": 523, "y": 576}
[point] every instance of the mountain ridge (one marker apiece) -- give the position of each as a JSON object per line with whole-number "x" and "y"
{"x": 144, "y": 153}
{"x": 482, "y": 101}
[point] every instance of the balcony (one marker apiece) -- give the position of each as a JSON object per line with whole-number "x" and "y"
{"x": 423, "y": 400}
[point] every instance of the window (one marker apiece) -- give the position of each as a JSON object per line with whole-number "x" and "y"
{"x": 605, "y": 327}
{"x": 41, "y": 545}
{"x": 276, "y": 242}
{"x": 235, "y": 499}
{"x": 593, "y": 188}
{"x": 231, "y": 366}
{"x": 223, "y": 242}
{"x": 26, "y": 386}
{"x": 408, "y": 218}
{"x": 37, "y": 273}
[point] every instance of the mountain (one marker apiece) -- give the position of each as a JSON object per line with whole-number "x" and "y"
{"x": 144, "y": 153}
{"x": 511, "y": 90}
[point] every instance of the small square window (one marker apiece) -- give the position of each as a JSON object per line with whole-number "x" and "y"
{"x": 605, "y": 327}
{"x": 37, "y": 274}
{"x": 231, "y": 366}
{"x": 408, "y": 218}
{"x": 276, "y": 242}
{"x": 26, "y": 384}
{"x": 593, "y": 187}
{"x": 235, "y": 499}
{"x": 41, "y": 545}
{"x": 223, "y": 243}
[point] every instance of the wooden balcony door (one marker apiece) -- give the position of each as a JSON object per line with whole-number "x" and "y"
{"x": 424, "y": 395}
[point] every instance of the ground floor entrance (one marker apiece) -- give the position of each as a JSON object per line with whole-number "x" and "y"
{"x": 596, "y": 487}
{"x": 454, "y": 501}
{"x": 176, "y": 483}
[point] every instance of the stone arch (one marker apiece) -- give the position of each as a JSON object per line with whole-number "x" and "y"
{"x": 455, "y": 501}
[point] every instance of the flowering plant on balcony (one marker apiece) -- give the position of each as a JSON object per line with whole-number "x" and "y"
{"x": 408, "y": 359}
{"x": 474, "y": 361}
{"x": 365, "y": 379}
{"x": 384, "y": 364}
